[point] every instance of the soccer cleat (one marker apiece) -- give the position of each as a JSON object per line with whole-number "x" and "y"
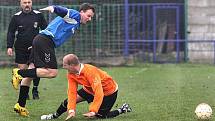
{"x": 125, "y": 108}
{"x": 21, "y": 110}
{"x": 48, "y": 117}
{"x": 16, "y": 78}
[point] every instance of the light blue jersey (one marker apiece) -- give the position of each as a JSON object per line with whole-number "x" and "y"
{"x": 63, "y": 26}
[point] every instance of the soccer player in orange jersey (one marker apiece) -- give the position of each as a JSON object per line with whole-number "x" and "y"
{"x": 99, "y": 89}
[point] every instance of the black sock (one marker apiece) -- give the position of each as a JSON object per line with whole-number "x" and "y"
{"x": 62, "y": 108}
{"x": 31, "y": 73}
{"x": 23, "y": 94}
{"x": 35, "y": 89}
{"x": 35, "y": 83}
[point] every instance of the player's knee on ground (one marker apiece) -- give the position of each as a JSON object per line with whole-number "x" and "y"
{"x": 102, "y": 114}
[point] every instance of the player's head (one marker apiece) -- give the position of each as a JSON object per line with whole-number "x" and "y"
{"x": 87, "y": 11}
{"x": 26, "y": 5}
{"x": 71, "y": 63}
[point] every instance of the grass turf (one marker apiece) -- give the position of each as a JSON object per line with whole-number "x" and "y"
{"x": 167, "y": 92}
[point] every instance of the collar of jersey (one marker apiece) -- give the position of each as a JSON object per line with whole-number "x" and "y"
{"x": 81, "y": 68}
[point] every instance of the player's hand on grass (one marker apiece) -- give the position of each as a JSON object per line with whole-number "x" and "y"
{"x": 49, "y": 8}
{"x": 71, "y": 113}
{"x": 90, "y": 114}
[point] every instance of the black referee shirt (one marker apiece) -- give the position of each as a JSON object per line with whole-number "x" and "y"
{"x": 25, "y": 26}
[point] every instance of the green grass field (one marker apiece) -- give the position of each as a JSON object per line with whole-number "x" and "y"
{"x": 166, "y": 92}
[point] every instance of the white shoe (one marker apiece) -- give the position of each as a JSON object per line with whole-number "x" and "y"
{"x": 48, "y": 117}
{"x": 125, "y": 108}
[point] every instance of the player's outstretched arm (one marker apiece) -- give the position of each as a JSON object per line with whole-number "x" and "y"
{"x": 59, "y": 10}
{"x": 49, "y": 8}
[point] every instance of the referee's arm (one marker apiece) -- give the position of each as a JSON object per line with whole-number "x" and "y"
{"x": 11, "y": 33}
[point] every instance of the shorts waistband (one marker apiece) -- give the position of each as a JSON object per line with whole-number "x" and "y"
{"x": 48, "y": 38}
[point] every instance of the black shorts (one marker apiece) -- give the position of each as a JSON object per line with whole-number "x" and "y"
{"x": 107, "y": 103}
{"x": 22, "y": 56}
{"x": 43, "y": 53}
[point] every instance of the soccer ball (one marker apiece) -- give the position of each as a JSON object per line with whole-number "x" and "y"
{"x": 203, "y": 111}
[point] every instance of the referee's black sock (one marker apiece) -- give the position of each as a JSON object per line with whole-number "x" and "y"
{"x": 31, "y": 73}
{"x": 36, "y": 82}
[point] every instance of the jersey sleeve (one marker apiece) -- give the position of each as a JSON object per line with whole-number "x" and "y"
{"x": 96, "y": 85}
{"x": 11, "y": 32}
{"x": 72, "y": 93}
{"x": 60, "y": 11}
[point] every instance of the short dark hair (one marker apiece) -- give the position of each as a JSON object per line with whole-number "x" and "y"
{"x": 86, "y": 6}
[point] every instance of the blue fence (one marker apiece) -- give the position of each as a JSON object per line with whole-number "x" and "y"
{"x": 150, "y": 28}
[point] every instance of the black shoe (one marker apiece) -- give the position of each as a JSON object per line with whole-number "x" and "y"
{"x": 35, "y": 95}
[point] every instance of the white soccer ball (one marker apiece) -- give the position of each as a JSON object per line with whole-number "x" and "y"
{"x": 203, "y": 111}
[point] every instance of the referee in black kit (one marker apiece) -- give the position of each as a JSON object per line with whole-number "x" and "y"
{"x": 25, "y": 25}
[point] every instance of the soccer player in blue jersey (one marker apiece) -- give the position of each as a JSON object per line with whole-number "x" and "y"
{"x": 42, "y": 59}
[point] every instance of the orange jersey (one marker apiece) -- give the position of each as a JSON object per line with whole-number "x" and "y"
{"x": 94, "y": 81}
